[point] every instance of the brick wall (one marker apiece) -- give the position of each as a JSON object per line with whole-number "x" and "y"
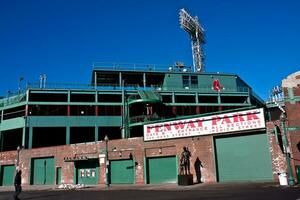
{"x": 136, "y": 148}
{"x": 277, "y": 156}
{"x": 292, "y": 107}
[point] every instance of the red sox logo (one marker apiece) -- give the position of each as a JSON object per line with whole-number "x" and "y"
{"x": 216, "y": 86}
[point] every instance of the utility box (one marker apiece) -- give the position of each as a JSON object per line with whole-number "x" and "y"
{"x": 283, "y": 178}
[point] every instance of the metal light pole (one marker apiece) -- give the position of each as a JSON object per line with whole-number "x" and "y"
{"x": 18, "y": 156}
{"x": 19, "y": 85}
{"x": 106, "y": 161}
{"x": 286, "y": 153}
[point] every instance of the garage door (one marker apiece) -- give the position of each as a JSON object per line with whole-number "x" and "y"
{"x": 243, "y": 158}
{"x": 7, "y": 175}
{"x": 87, "y": 172}
{"x": 162, "y": 170}
{"x": 42, "y": 171}
{"x": 122, "y": 171}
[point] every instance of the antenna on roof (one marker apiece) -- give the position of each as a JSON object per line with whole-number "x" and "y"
{"x": 43, "y": 79}
{"x": 193, "y": 27}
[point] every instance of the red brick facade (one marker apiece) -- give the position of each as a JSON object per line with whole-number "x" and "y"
{"x": 200, "y": 147}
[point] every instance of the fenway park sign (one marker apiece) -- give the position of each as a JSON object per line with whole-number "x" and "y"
{"x": 229, "y": 122}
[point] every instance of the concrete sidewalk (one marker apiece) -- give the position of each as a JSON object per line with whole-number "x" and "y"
{"x": 166, "y": 187}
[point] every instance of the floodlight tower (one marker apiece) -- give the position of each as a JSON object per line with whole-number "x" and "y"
{"x": 193, "y": 27}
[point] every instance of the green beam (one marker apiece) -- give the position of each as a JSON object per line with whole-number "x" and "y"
{"x": 67, "y": 135}
{"x": 208, "y": 104}
{"x": 30, "y": 137}
{"x": 76, "y": 103}
{"x": 96, "y": 134}
{"x": 69, "y": 96}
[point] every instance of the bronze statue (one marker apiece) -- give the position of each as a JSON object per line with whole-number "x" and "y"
{"x": 185, "y": 161}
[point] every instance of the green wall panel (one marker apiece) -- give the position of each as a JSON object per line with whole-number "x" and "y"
{"x": 42, "y": 170}
{"x": 14, "y": 123}
{"x": 243, "y": 158}
{"x": 162, "y": 170}
{"x": 122, "y": 171}
{"x": 7, "y": 175}
{"x": 87, "y": 172}
{"x": 62, "y": 121}
{"x": 173, "y": 81}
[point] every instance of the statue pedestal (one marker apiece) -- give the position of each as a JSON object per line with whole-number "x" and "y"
{"x": 185, "y": 179}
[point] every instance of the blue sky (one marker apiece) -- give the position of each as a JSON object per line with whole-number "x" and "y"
{"x": 259, "y": 40}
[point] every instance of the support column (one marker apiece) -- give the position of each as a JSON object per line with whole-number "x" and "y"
{"x": 67, "y": 135}
{"x": 127, "y": 120}
{"x": 124, "y": 113}
{"x": 96, "y": 110}
{"x": 120, "y": 80}
{"x": 68, "y": 106}
{"x": 95, "y": 80}
{"x": 68, "y": 110}
{"x": 96, "y": 106}
{"x": 69, "y": 96}
{"x": 174, "y": 110}
{"x": 220, "y": 108}
{"x": 30, "y": 137}
{"x": 23, "y": 136}
{"x": 26, "y": 110}
{"x": 144, "y": 80}
{"x": 96, "y": 134}
{"x": 173, "y": 97}
{"x": 219, "y": 98}
{"x": 1, "y": 143}
{"x": 198, "y": 110}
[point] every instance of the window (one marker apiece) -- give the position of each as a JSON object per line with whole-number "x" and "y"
{"x": 189, "y": 81}
{"x": 194, "y": 81}
{"x": 186, "y": 81}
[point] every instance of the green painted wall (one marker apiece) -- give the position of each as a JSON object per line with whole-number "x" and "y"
{"x": 7, "y": 175}
{"x": 162, "y": 170}
{"x": 42, "y": 171}
{"x": 173, "y": 81}
{"x": 243, "y": 158}
{"x": 14, "y": 123}
{"x": 62, "y": 121}
{"x": 87, "y": 172}
{"x": 122, "y": 171}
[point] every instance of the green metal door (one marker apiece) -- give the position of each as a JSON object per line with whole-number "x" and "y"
{"x": 42, "y": 171}
{"x": 122, "y": 171}
{"x": 58, "y": 175}
{"x": 162, "y": 170}
{"x": 243, "y": 158}
{"x": 87, "y": 172}
{"x": 7, "y": 175}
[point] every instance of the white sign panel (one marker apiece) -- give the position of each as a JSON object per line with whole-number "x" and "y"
{"x": 214, "y": 124}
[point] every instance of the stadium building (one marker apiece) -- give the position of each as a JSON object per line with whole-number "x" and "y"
{"x": 131, "y": 123}
{"x": 148, "y": 116}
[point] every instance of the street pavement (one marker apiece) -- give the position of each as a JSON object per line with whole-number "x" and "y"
{"x": 234, "y": 191}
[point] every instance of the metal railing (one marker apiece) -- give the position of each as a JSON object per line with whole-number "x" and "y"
{"x": 145, "y": 118}
{"x": 12, "y": 99}
{"x": 134, "y": 67}
{"x": 201, "y": 88}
